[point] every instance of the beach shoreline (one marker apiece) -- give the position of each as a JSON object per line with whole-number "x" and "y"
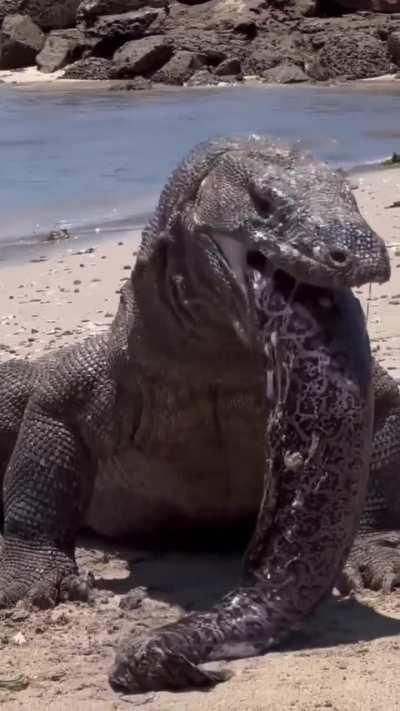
{"x": 32, "y": 77}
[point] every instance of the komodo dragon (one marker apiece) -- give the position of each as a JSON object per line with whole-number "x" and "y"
{"x": 236, "y": 334}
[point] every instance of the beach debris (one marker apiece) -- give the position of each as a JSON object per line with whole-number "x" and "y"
{"x": 393, "y": 160}
{"x": 60, "y": 234}
{"x": 19, "y": 683}
{"x": 396, "y": 203}
{"x": 19, "y": 639}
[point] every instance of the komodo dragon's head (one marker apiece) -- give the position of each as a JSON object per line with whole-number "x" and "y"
{"x": 240, "y": 206}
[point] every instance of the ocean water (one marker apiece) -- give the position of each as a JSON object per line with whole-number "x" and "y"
{"x": 96, "y": 160}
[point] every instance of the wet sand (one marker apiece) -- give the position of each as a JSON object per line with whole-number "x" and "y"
{"x": 346, "y": 659}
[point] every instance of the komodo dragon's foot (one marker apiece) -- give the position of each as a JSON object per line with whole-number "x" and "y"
{"x": 39, "y": 573}
{"x": 374, "y": 563}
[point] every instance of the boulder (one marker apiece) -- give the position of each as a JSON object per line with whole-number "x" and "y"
{"x": 48, "y": 14}
{"x": 307, "y": 8}
{"x": 394, "y": 47}
{"x": 228, "y": 67}
{"x": 203, "y": 77}
{"x": 179, "y": 68}
{"x": 369, "y": 5}
{"x": 141, "y": 57}
{"x": 8, "y": 7}
{"x": 89, "y": 10}
{"x": 285, "y": 74}
{"x": 20, "y": 41}
{"x": 260, "y": 60}
{"x": 354, "y": 55}
{"x": 94, "y": 68}
{"x": 246, "y": 27}
{"x": 61, "y": 47}
{"x": 109, "y": 32}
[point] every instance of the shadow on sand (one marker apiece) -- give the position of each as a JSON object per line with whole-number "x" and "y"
{"x": 197, "y": 581}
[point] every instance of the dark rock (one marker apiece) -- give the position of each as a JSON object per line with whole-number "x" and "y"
{"x": 209, "y": 26}
{"x": 260, "y": 61}
{"x": 370, "y": 5}
{"x": 285, "y": 74}
{"x": 141, "y": 57}
{"x": 136, "y": 84}
{"x": 203, "y": 77}
{"x": 179, "y": 68}
{"x": 89, "y": 10}
{"x": 94, "y": 68}
{"x": 248, "y": 28}
{"x": 51, "y": 14}
{"x": 109, "y": 32}
{"x": 353, "y": 55}
{"x": 318, "y": 40}
{"x": 307, "y": 8}
{"x": 277, "y": 47}
{"x": 58, "y": 235}
{"x": 48, "y": 14}
{"x": 60, "y": 48}
{"x": 228, "y": 67}
{"x": 20, "y": 42}
{"x": 8, "y": 7}
{"x": 209, "y": 56}
{"x": 394, "y": 47}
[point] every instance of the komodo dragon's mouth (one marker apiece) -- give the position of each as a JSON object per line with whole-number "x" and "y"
{"x": 318, "y": 264}
{"x": 249, "y": 263}
{"x": 243, "y": 262}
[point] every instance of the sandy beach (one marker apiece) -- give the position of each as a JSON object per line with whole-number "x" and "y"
{"x": 346, "y": 659}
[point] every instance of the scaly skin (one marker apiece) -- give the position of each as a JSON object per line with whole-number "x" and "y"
{"x": 316, "y": 472}
{"x": 109, "y": 432}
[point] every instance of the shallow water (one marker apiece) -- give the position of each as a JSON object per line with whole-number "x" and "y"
{"x": 98, "y": 159}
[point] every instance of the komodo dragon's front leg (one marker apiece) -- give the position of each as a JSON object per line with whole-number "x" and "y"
{"x": 49, "y": 478}
{"x": 317, "y": 458}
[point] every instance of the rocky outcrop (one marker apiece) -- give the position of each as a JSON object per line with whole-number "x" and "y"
{"x": 141, "y": 57}
{"x": 394, "y": 47}
{"x": 8, "y": 7}
{"x": 185, "y": 42}
{"x": 179, "y": 68}
{"x": 203, "y": 77}
{"x": 48, "y": 14}
{"x": 20, "y": 42}
{"x": 351, "y": 56}
{"x": 285, "y": 74}
{"x": 94, "y": 68}
{"x": 370, "y": 5}
{"x": 228, "y": 67}
{"x": 89, "y": 10}
{"x": 109, "y": 32}
{"x": 60, "y": 48}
